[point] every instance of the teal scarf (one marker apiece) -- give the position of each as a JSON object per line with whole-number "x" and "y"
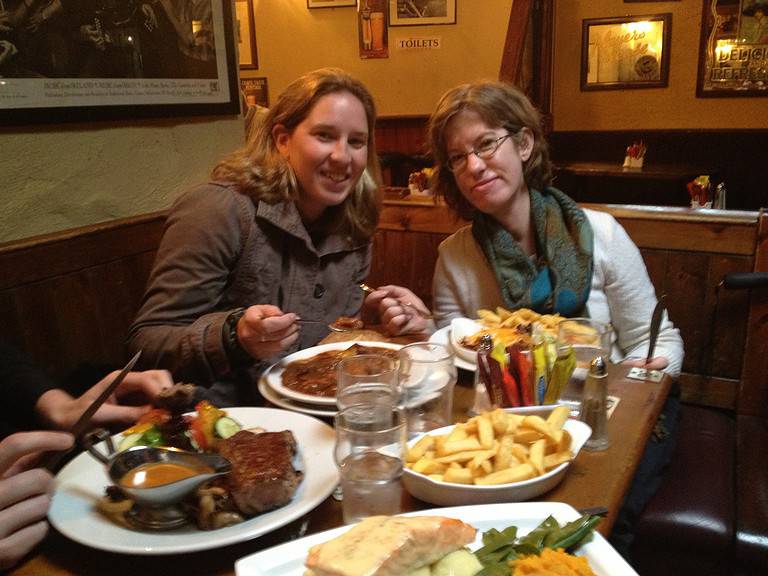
{"x": 561, "y": 277}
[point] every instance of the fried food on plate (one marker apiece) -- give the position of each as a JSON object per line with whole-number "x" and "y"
{"x": 391, "y": 546}
{"x": 494, "y": 448}
{"x": 511, "y": 326}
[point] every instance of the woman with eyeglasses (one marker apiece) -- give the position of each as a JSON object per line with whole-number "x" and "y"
{"x": 529, "y": 244}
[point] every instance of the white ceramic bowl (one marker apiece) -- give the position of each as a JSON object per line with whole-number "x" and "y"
{"x": 450, "y": 494}
{"x": 461, "y": 328}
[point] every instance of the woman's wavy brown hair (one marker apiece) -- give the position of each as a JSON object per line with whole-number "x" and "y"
{"x": 499, "y": 105}
{"x": 261, "y": 172}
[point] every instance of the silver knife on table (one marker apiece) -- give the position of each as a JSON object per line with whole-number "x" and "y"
{"x": 52, "y": 460}
{"x": 658, "y": 314}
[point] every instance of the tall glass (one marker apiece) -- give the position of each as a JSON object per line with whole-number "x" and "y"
{"x": 583, "y": 340}
{"x": 367, "y": 379}
{"x": 370, "y": 451}
{"x": 427, "y": 378}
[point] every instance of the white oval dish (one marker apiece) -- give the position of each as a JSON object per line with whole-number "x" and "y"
{"x": 460, "y": 329}
{"x": 81, "y": 483}
{"x": 450, "y": 494}
{"x": 274, "y": 375}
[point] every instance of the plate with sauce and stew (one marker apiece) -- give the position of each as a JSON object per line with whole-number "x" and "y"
{"x": 308, "y": 377}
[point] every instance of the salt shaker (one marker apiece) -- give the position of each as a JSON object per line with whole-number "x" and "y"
{"x": 594, "y": 405}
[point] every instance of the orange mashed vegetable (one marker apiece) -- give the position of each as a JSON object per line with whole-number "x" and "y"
{"x": 551, "y": 563}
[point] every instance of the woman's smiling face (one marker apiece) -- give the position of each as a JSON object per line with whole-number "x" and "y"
{"x": 328, "y": 152}
{"x": 490, "y": 185}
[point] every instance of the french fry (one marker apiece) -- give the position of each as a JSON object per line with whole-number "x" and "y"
{"x": 448, "y": 447}
{"x": 485, "y": 432}
{"x": 557, "y": 417}
{"x": 526, "y": 435}
{"x": 507, "y": 476}
{"x": 565, "y": 441}
{"x": 539, "y": 424}
{"x": 504, "y": 457}
{"x": 465, "y": 456}
{"x": 459, "y": 476}
{"x": 554, "y": 460}
{"x": 420, "y": 448}
{"x": 425, "y": 466}
{"x": 458, "y": 433}
{"x": 536, "y": 455}
{"x": 499, "y": 421}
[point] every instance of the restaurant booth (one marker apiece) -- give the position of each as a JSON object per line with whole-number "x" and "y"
{"x": 88, "y": 200}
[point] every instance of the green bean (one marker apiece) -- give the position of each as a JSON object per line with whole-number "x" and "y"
{"x": 574, "y": 532}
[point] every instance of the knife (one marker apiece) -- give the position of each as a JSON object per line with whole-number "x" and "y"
{"x": 658, "y": 314}
{"x": 52, "y": 460}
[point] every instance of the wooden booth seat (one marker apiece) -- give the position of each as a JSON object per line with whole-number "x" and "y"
{"x": 68, "y": 298}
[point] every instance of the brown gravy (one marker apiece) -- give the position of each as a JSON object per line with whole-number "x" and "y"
{"x": 158, "y": 473}
{"x": 316, "y": 376}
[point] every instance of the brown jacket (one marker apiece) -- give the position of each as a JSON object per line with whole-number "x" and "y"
{"x": 220, "y": 251}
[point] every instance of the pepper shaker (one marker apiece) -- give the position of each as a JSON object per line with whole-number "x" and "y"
{"x": 594, "y": 405}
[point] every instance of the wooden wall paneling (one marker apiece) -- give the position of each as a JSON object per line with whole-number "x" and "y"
{"x": 729, "y": 331}
{"x": 517, "y": 28}
{"x": 753, "y": 393}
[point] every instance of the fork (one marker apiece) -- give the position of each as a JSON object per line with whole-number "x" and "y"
{"x": 331, "y": 327}
{"x": 426, "y": 315}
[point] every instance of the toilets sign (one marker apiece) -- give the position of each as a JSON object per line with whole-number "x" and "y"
{"x": 419, "y": 43}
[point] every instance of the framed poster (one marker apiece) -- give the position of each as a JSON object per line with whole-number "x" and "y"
{"x": 625, "y": 52}
{"x": 255, "y": 91}
{"x": 122, "y": 60}
{"x": 246, "y": 35}
{"x": 330, "y": 3}
{"x": 733, "y": 49}
{"x": 421, "y": 12}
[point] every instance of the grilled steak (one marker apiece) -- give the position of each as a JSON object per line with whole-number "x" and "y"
{"x": 263, "y": 476}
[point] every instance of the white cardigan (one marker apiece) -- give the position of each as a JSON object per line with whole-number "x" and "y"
{"x": 621, "y": 293}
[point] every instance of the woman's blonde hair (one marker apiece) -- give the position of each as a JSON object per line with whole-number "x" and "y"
{"x": 499, "y": 105}
{"x": 262, "y": 173}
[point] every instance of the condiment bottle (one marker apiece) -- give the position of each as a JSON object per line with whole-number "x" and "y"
{"x": 594, "y": 405}
{"x": 483, "y": 402}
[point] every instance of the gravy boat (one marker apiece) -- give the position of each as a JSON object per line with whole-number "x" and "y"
{"x": 204, "y": 466}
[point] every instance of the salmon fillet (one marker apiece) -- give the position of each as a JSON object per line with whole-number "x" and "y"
{"x": 389, "y": 546}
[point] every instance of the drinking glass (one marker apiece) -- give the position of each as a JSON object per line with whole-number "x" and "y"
{"x": 367, "y": 379}
{"x": 585, "y": 339}
{"x": 427, "y": 378}
{"x": 370, "y": 452}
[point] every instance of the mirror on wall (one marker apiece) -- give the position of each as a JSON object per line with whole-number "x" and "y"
{"x": 734, "y": 48}
{"x": 625, "y": 52}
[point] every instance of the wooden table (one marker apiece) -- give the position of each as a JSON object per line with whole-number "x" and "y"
{"x": 594, "y": 479}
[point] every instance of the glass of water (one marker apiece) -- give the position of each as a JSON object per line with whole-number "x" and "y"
{"x": 370, "y": 452}
{"x": 427, "y": 378}
{"x": 585, "y": 339}
{"x": 367, "y": 379}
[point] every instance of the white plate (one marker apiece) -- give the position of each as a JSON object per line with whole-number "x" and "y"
{"x": 288, "y": 559}
{"x": 443, "y": 336}
{"x": 81, "y": 483}
{"x": 452, "y": 494}
{"x": 283, "y": 402}
{"x": 274, "y": 375}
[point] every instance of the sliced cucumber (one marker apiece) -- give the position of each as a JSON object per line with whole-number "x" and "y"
{"x": 226, "y": 427}
{"x": 129, "y": 441}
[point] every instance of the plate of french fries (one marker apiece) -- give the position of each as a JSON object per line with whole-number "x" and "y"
{"x": 503, "y": 325}
{"x": 506, "y": 455}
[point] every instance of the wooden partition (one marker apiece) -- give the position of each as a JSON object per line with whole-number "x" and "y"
{"x": 687, "y": 253}
{"x": 69, "y": 298}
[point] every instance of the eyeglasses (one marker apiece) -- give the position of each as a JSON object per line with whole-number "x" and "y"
{"x": 484, "y": 150}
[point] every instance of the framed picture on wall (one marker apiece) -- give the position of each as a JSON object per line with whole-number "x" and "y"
{"x": 330, "y": 3}
{"x": 733, "y": 49}
{"x": 255, "y": 91}
{"x": 246, "y": 35}
{"x": 421, "y": 12}
{"x": 625, "y": 52}
{"x": 127, "y": 61}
